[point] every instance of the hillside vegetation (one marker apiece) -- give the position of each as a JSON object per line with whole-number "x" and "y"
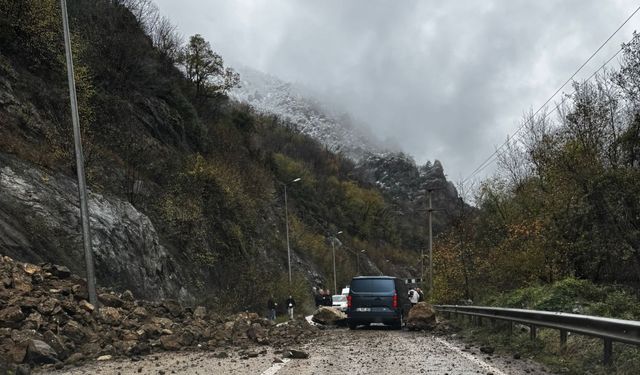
{"x": 565, "y": 203}
{"x": 160, "y": 133}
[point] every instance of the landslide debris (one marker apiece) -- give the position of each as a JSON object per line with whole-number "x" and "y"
{"x": 46, "y": 320}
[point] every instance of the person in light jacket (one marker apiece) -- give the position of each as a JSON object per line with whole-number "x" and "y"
{"x": 291, "y": 303}
{"x": 414, "y": 297}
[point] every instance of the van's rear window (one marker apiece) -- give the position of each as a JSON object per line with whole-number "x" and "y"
{"x": 372, "y": 285}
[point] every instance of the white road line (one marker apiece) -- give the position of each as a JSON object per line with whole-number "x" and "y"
{"x": 470, "y": 357}
{"x": 276, "y": 367}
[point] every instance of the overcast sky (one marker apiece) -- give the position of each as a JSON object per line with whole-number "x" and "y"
{"x": 445, "y": 80}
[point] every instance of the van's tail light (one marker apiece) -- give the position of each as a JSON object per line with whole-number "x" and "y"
{"x": 394, "y": 302}
{"x": 349, "y": 303}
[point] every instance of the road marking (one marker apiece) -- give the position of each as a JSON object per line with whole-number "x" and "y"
{"x": 470, "y": 357}
{"x": 276, "y": 367}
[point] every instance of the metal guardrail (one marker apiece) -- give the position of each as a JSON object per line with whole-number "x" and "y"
{"x": 608, "y": 329}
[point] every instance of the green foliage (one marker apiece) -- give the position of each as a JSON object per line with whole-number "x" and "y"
{"x": 32, "y": 30}
{"x": 573, "y": 296}
{"x": 205, "y": 68}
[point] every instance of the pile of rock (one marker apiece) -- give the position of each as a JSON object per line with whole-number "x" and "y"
{"x": 422, "y": 316}
{"x": 45, "y": 319}
{"x": 329, "y": 316}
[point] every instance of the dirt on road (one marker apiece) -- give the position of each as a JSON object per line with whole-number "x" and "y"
{"x": 376, "y": 350}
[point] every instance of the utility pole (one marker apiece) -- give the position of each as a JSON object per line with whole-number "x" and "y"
{"x": 333, "y": 247}
{"x": 335, "y": 284}
{"x": 82, "y": 185}
{"x": 286, "y": 219}
{"x": 430, "y": 208}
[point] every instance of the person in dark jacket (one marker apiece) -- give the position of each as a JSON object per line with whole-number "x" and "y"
{"x": 272, "y": 305}
{"x": 326, "y": 298}
{"x": 291, "y": 303}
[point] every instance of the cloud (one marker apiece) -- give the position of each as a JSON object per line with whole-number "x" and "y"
{"x": 446, "y": 80}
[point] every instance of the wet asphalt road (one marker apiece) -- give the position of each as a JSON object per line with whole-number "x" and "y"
{"x": 376, "y": 350}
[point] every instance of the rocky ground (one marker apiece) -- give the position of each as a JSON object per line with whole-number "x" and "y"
{"x": 373, "y": 350}
{"x": 47, "y": 323}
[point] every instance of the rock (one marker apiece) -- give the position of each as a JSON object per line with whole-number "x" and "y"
{"x": 23, "y": 370}
{"x": 31, "y": 268}
{"x": 221, "y": 355}
{"x": 75, "y": 358}
{"x": 110, "y": 300}
{"x": 74, "y": 331}
{"x": 257, "y": 334}
{"x": 21, "y": 282}
{"x": 128, "y": 296}
{"x": 422, "y": 316}
{"x": 56, "y": 270}
{"x": 162, "y": 322}
{"x": 55, "y": 342}
{"x": 109, "y": 315}
{"x": 487, "y": 349}
{"x": 173, "y": 307}
{"x": 11, "y": 316}
{"x": 170, "y": 342}
{"x": 48, "y": 306}
{"x": 86, "y": 306}
{"x": 200, "y": 313}
{"x": 38, "y": 352}
{"x": 104, "y": 358}
{"x": 17, "y": 352}
{"x": 296, "y": 354}
{"x": 328, "y": 316}
{"x": 140, "y": 312}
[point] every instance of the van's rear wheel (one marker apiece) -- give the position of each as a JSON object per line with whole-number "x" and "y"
{"x": 352, "y": 325}
{"x": 399, "y": 324}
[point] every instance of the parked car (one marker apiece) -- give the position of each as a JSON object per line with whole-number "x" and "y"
{"x": 377, "y": 299}
{"x": 339, "y": 301}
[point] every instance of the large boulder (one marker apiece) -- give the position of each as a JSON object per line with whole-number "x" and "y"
{"x": 39, "y": 352}
{"x": 328, "y": 316}
{"x": 422, "y": 316}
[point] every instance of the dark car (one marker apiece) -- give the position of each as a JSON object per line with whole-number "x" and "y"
{"x": 377, "y": 299}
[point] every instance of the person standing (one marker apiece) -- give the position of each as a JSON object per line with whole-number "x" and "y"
{"x": 326, "y": 299}
{"x": 420, "y": 294}
{"x": 413, "y": 297}
{"x": 272, "y": 305}
{"x": 291, "y": 303}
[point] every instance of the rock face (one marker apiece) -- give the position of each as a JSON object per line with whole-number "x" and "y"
{"x": 422, "y": 316}
{"x": 328, "y": 316}
{"x": 39, "y": 222}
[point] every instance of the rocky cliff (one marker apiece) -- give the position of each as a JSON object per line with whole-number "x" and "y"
{"x": 39, "y": 222}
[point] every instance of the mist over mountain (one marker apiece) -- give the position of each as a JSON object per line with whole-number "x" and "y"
{"x": 313, "y": 116}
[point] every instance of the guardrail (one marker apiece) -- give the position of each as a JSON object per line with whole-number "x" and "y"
{"x": 625, "y": 331}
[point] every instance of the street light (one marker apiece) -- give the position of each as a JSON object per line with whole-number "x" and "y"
{"x": 286, "y": 219}
{"x": 333, "y": 247}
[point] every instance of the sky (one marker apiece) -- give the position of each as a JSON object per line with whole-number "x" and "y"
{"x": 446, "y": 80}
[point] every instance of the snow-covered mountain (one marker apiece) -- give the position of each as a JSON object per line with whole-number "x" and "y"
{"x": 292, "y": 102}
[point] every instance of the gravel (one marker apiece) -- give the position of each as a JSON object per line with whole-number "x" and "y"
{"x": 336, "y": 351}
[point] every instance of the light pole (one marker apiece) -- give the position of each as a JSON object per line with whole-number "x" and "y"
{"x": 82, "y": 185}
{"x": 286, "y": 219}
{"x": 333, "y": 247}
{"x": 430, "y": 250}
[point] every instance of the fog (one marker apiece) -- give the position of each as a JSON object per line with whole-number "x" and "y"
{"x": 447, "y": 80}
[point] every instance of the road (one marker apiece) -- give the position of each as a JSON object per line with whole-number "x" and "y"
{"x": 338, "y": 351}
